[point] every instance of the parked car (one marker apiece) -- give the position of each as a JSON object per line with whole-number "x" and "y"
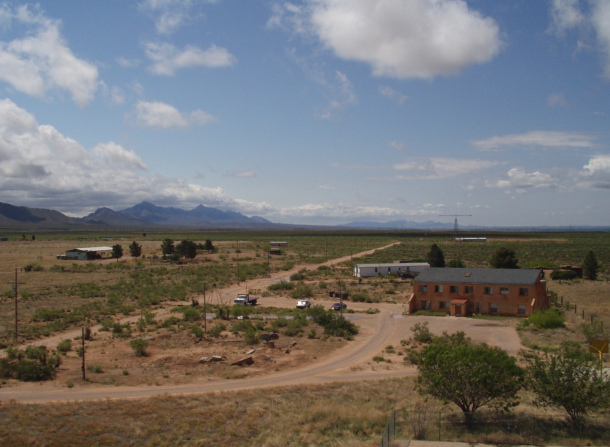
{"x": 303, "y": 304}
{"x": 337, "y": 306}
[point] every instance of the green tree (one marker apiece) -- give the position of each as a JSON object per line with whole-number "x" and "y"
{"x": 504, "y": 258}
{"x": 117, "y": 251}
{"x": 167, "y": 247}
{"x": 187, "y": 248}
{"x": 570, "y": 380}
{"x": 209, "y": 246}
{"x": 435, "y": 256}
{"x": 456, "y": 264}
{"x": 471, "y": 376}
{"x": 135, "y": 249}
{"x": 590, "y": 267}
{"x": 139, "y": 346}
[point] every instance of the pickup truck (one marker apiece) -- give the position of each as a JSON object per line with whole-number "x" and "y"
{"x": 243, "y": 299}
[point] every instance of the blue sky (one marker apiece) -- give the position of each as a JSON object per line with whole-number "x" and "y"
{"x": 312, "y": 112}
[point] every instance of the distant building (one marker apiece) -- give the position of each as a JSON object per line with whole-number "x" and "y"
{"x": 382, "y": 269}
{"x": 86, "y": 254}
{"x": 276, "y": 247}
{"x": 471, "y": 239}
{"x": 467, "y": 291}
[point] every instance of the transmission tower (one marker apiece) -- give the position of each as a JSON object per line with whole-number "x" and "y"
{"x": 455, "y": 222}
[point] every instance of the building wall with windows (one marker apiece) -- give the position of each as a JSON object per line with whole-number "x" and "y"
{"x": 517, "y": 292}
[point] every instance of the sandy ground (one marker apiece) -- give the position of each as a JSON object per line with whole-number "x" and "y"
{"x": 352, "y": 362}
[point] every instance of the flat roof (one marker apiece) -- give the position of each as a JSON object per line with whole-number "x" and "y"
{"x": 479, "y": 276}
{"x": 92, "y": 249}
{"x": 395, "y": 264}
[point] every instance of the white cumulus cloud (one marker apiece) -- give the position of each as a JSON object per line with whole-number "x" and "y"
{"x": 162, "y": 115}
{"x": 398, "y": 38}
{"x": 42, "y": 61}
{"x": 518, "y": 178}
{"x": 597, "y": 171}
{"x": 41, "y": 167}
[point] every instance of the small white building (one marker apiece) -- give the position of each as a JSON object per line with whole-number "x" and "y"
{"x": 87, "y": 253}
{"x": 382, "y": 269}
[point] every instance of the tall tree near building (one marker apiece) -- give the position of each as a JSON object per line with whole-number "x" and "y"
{"x": 504, "y": 258}
{"x": 167, "y": 247}
{"x": 135, "y": 249}
{"x": 590, "y": 267}
{"x": 435, "y": 256}
{"x": 117, "y": 251}
{"x": 187, "y": 248}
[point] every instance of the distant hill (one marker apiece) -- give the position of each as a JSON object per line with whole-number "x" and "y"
{"x": 12, "y": 216}
{"x": 143, "y": 215}
{"x": 199, "y": 216}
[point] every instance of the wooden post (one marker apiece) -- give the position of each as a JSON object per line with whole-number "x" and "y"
{"x": 205, "y": 314}
{"x": 83, "y": 346}
{"x": 16, "y": 312}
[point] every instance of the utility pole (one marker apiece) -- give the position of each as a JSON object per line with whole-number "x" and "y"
{"x": 15, "y": 288}
{"x": 455, "y": 222}
{"x": 83, "y": 365}
{"x": 237, "y": 262}
{"x": 205, "y": 314}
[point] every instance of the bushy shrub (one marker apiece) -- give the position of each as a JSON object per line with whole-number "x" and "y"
{"x": 299, "y": 276}
{"x": 139, "y": 346}
{"x": 293, "y": 328}
{"x": 332, "y": 322}
{"x": 32, "y": 365}
{"x": 64, "y": 346}
{"x": 558, "y": 274}
{"x": 197, "y": 331}
{"x": 421, "y": 332}
{"x": 217, "y": 329}
{"x": 548, "y": 319}
{"x": 302, "y": 291}
{"x": 281, "y": 286}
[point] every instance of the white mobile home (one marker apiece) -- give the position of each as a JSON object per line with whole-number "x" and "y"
{"x": 382, "y": 269}
{"x": 86, "y": 253}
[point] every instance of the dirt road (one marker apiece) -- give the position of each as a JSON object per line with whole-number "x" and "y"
{"x": 353, "y": 362}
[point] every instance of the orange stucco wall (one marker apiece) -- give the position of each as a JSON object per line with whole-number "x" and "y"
{"x": 478, "y": 301}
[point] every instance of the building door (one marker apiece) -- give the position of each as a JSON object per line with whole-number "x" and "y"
{"x": 458, "y": 310}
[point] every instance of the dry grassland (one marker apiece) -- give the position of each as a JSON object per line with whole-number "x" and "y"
{"x": 338, "y": 414}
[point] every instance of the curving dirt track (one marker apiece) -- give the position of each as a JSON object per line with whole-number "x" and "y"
{"x": 351, "y": 363}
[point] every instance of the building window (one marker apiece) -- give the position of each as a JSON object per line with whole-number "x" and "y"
{"x": 468, "y": 290}
{"x": 493, "y": 308}
{"x": 423, "y": 288}
{"x": 488, "y": 291}
{"x": 443, "y": 305}
{"x": 523, "y": 291}
{"x": 503, "y": 290}
{"x": 426, "y": 305}
{"x": 438, "y": 289}
{"x": 521, "y": 309}
{"x": 453, "y": 289}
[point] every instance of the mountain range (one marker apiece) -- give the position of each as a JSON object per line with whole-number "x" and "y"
{"x": 147, "y": 215}
{"x": 143, "y": 215}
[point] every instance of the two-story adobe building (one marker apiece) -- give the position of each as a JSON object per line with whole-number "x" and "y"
{"x": 467, "y": 291}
